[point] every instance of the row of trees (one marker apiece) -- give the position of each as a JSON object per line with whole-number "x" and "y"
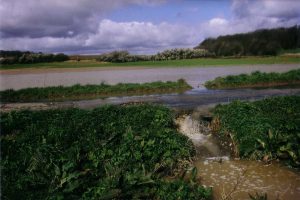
{"x": 171, "y": 54}
{"x": 260, "y": 42}
{"x": 25, "y": 57}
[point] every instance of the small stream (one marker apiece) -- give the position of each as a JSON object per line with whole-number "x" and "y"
{"x": 231, "y": 178}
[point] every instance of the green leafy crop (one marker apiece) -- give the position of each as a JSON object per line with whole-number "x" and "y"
{"x": 268, "y": 129}
{"x": 112, "y": 152}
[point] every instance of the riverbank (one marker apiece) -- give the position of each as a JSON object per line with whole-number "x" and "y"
{"x": 78, "y": 92}
{"x": 193, "y": 99}
{"x": 256, "y": 79}
{"x": 265, "y": 130}
{"x": 204, "y": 62}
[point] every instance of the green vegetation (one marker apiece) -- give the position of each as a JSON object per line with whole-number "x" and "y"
{"x": 290, "y": 51}
{"x": 170, "y": 54}
{"x": 112, "y": 152}
{"x": 255, "y": 79}
{"x": 77, "y": 92}
{"x": 260, "y": 42}
{"x": 267, "y": 129}
{"x": 25, "y": 57}
{"x": 200, "y": 62}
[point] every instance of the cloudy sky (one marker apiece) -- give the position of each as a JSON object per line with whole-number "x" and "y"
{"x": 139, "y": 26}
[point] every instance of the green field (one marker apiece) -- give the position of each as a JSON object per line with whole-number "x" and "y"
{"x": 290, "y": 51}
{"x": 255, "y": 79}
{"x": 77, "y": 92}
{"x": 112, "y": 152}
{"x": 169, "y": 63}
{"x": 267, "y": 129}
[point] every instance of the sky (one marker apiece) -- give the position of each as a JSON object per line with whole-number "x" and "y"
{"x": 138, "y": 26}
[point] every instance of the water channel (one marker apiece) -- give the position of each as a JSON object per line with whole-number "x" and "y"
{"x": 233, "y": 178}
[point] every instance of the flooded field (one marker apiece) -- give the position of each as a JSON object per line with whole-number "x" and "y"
{"x": 195, "y": 76}
{"x": 230, "y": 178}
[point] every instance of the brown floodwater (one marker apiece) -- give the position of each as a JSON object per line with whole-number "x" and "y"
{"x": 237, "y": 179}
{"x": 234, "y": 179}
{"x": 195, "y": 76}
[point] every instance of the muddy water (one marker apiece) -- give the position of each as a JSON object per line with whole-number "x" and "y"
{"x": 198, "y": 132}
{"x": 195, "y": 76}
{"x": 234, "y": 179}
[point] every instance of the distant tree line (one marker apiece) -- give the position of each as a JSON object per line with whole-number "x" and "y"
{"x": 260, "y": 42}
{"x": 171, "y": 54}
{"x": 25, "y": 57}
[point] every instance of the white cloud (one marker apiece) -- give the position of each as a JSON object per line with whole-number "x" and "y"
{"x": 266, "y": 13}
{"x": 79, "y": 26}
{"x": 218, "y": 22}
{"x": 133, "y": 34}
{"x": 110, "y": 35}
{"x": 250, "y": 15}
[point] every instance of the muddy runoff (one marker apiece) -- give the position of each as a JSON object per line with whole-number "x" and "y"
{"x": 229, "y": 177}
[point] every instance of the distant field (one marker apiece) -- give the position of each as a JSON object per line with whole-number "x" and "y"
{"x": 290, "y": 51}
{"x": 168, "y": 63}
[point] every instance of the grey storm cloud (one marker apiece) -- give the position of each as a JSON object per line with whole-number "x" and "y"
{"x": 57, "y": 18}
{"x": 264, "y": 11}
{"x": 81, "y": 25}
{"x": 250, "y": 15}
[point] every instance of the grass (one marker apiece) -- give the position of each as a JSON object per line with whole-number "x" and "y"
{"x": 112, "y": 152}
{"x": 169, "y": 63}
{"x": 290, "y": 51}
{"x": 267, "y": 129}
{"x": 77, "y": 92}
{"x": 255, "y": 79}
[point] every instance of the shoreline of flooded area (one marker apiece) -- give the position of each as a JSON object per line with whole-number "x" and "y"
{"x": 189, "y": 100}
{"x": 195, "y": 76}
